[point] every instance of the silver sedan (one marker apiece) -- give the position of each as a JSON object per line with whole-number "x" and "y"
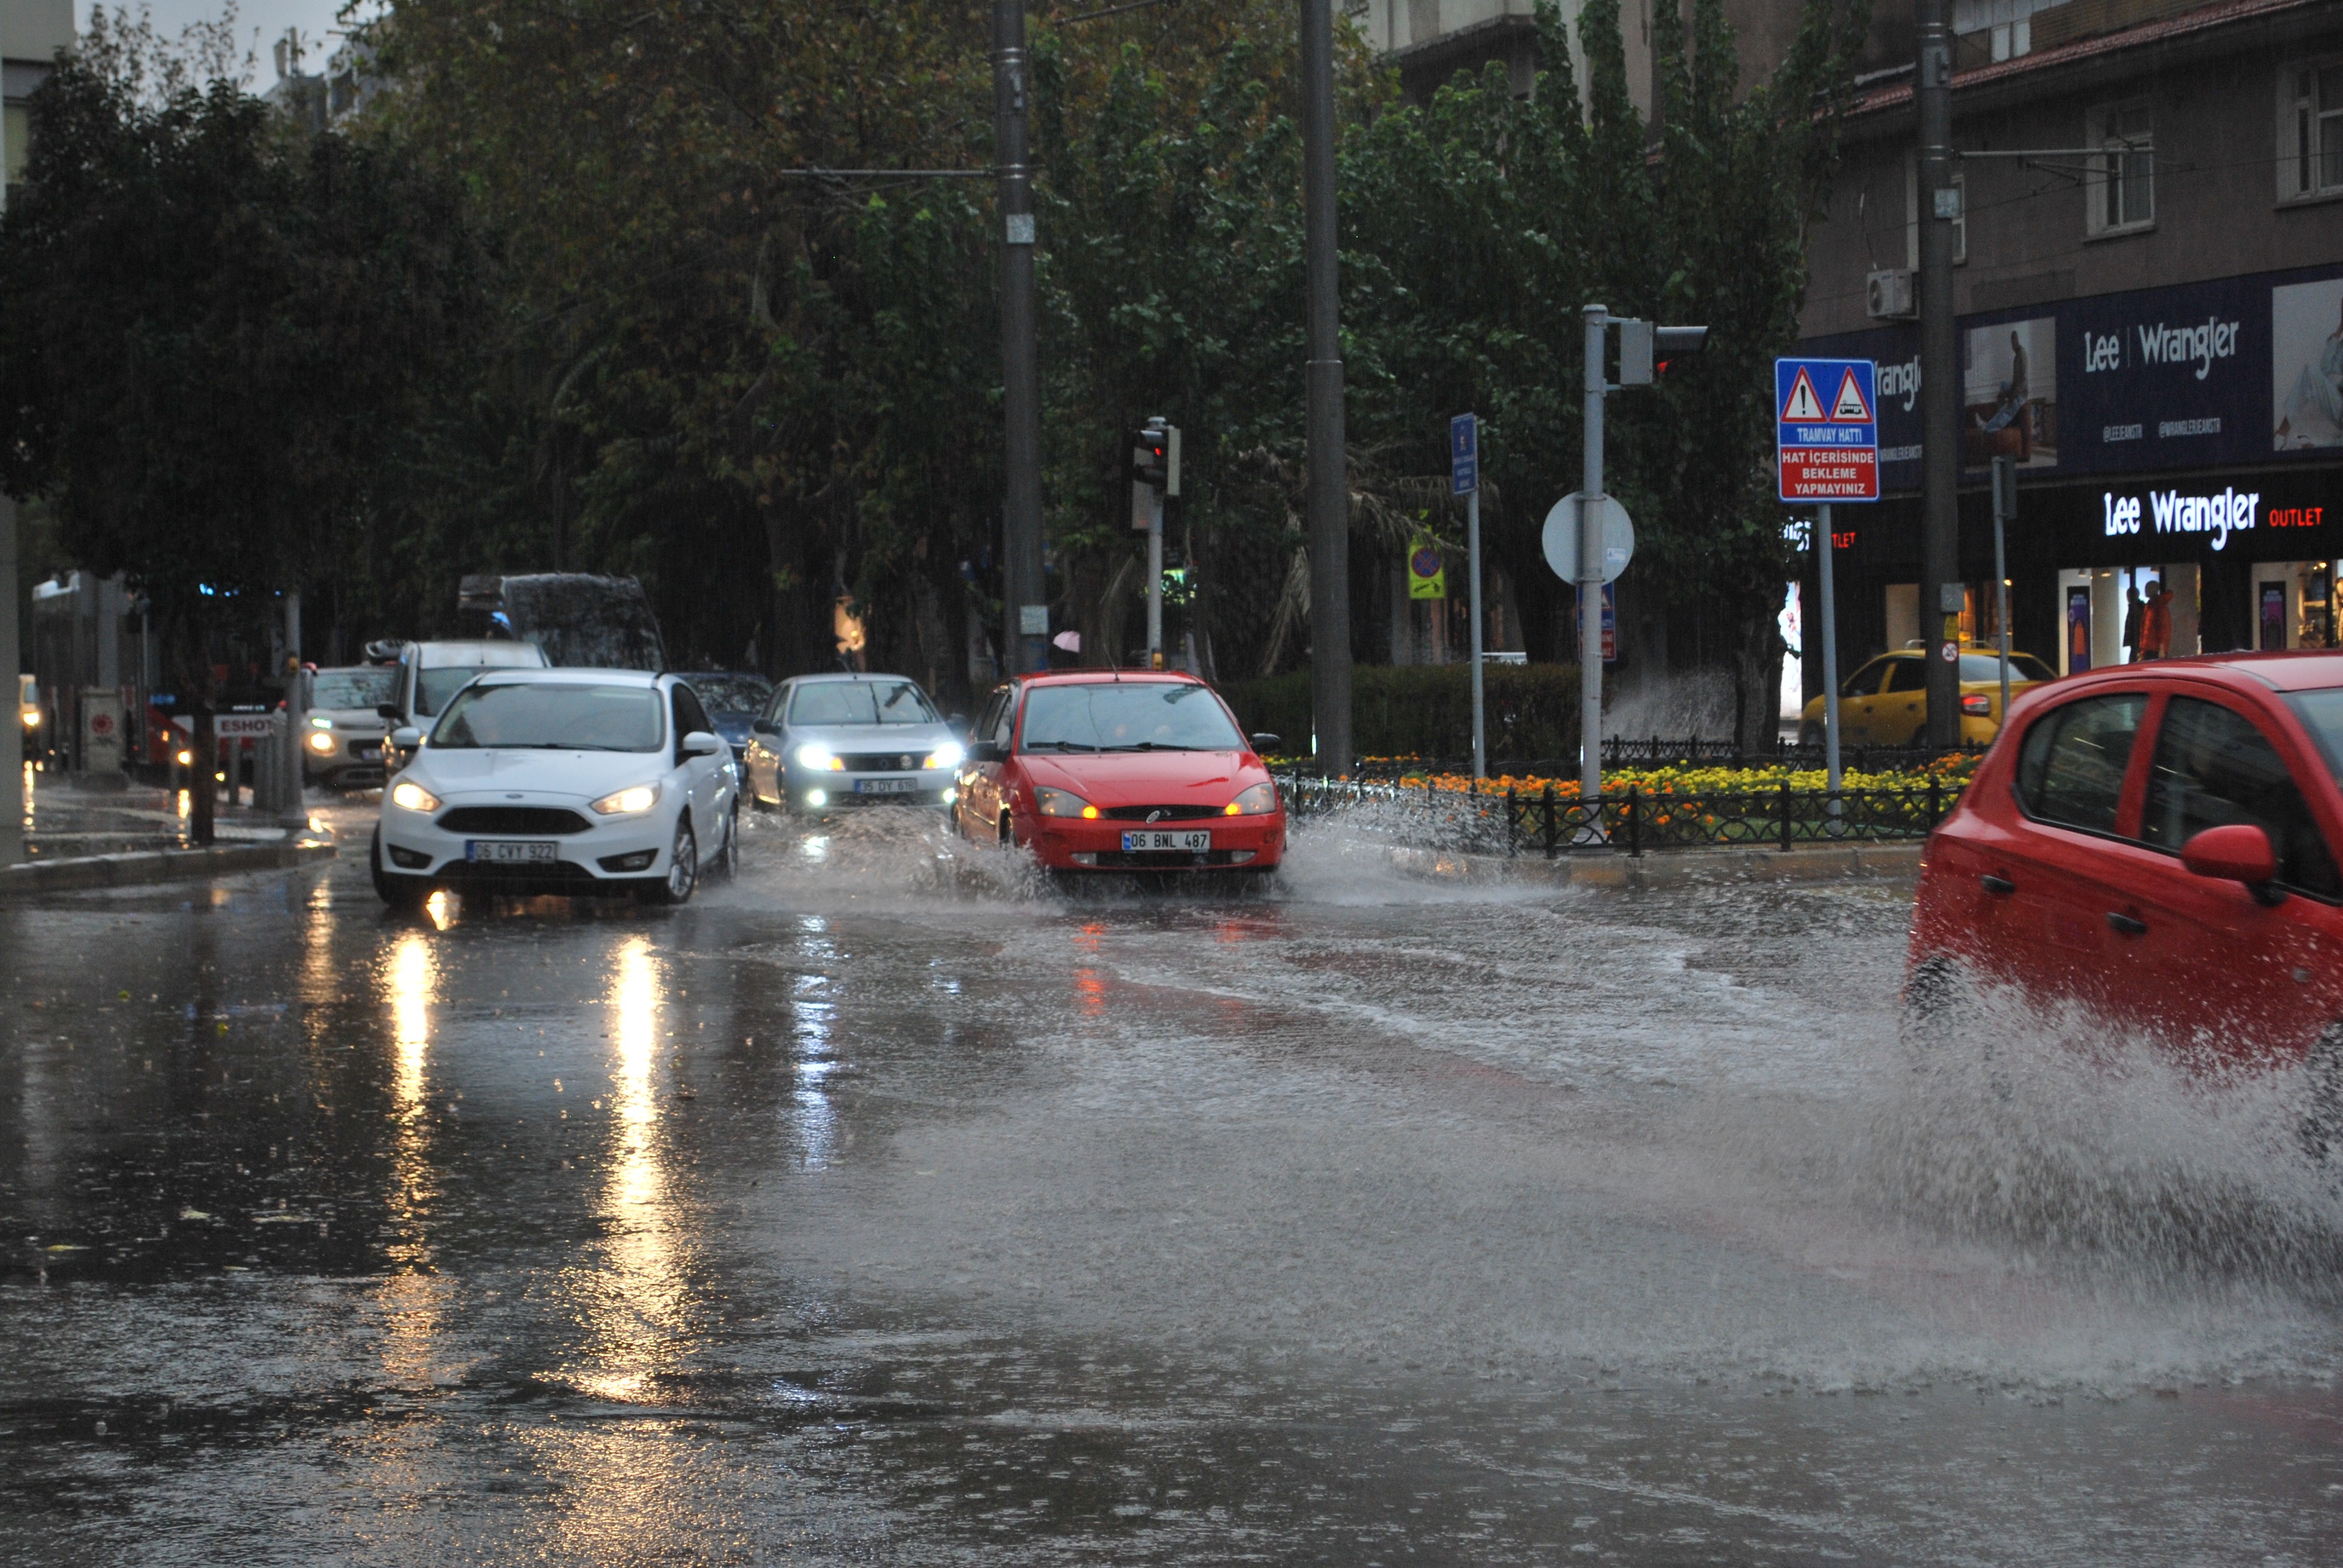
{"x": 828, "y": 741}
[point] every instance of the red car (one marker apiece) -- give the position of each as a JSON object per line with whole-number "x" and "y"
{"x": 2159, "y": 841}
{"x": 1100, "y": 770}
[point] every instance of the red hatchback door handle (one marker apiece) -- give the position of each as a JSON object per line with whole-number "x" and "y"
{"x": 1994, "y": 884}
{"x": 2126, "y": 924}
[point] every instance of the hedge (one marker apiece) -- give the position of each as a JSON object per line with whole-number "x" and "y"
{"x": 1425, "y": 710}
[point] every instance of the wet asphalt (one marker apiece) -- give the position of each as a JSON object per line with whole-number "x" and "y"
{"x": 891, "y": 1204}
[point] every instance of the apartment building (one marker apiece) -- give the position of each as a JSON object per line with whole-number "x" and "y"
{"x": 2149, "y": 278}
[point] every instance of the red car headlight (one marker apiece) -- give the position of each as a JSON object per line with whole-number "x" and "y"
{"x": 1051, "y": 802}
{"x": 1258, "y": 801}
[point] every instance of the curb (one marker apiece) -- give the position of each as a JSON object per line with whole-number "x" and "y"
{"x": 149, "y": 866}
{"x": 1821, "y": 862}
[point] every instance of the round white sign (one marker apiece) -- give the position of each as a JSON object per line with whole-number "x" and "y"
{"x": 1560, "y": 538}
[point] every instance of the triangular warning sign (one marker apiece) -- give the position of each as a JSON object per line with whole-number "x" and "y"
{"x": 1850, "y": 408}
{"x": 1803, "y": 407}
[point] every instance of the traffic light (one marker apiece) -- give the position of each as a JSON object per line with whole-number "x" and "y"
{"x": 1151, "y": 456}
{"x": 1645, "y": 349}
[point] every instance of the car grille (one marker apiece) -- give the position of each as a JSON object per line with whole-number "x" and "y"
{"x": 1162, "y": 813}
{"x": 512, "y": 820}
{"x": 883, "y": 762}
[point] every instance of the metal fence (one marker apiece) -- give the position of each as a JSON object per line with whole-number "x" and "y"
{"x": 1633, "y": 818}
{"x": 1659, "y": 751}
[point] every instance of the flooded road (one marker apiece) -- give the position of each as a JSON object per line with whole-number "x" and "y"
{"x": 889, "y": 1205}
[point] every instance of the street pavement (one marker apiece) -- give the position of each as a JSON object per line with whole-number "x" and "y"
{"x": 891, "y": 1204}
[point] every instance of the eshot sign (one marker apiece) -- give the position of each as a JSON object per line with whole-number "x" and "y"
{"x": 1827, "y": 439}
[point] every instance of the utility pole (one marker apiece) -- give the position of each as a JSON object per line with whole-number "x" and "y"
{"x": 294, "y": 815}
{"x": 1025, "y": 634}
{"x": 1940, "y": 377}
{"x": 12, "y": 728}
{"x": 1329, "y": 495}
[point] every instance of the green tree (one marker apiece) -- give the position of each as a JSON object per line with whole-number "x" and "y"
{"x": 211, "y": 327}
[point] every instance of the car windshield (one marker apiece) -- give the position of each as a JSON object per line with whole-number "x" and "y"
{"x": 432, "y": 688}
{"x": 370, "y": 687}
{"x": 1987, "y": 667}
{"x": 730, "y": 693}
{"x": 1127, "y": 716}
{"x": 861, "y": 702}
{"x": 552, "y": 716}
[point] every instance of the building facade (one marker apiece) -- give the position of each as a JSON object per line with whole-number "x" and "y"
{"x": 2150, "y": 280}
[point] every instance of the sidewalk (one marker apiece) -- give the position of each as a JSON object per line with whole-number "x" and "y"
{"x": 97, "y": 832}
{"x": 1670, "y": 868}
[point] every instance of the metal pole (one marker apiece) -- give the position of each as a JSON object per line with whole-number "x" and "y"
{"x": 1021, "y": 581}
{"x": 2005, "y": 497}
{"x": 293, "y": 814}
{"x": 1154, "y": 578}
{"x": 1590, "y": 577}
{"x": 1940, "y": 376}
{"x": 1330, "y": 498}
{"x": 12, "y": 728}
{"x": 1830, "y": 657}
{"x": 1472, "y": 560}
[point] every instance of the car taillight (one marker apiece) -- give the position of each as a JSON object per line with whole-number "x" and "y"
{"x": 1979, "y": 704}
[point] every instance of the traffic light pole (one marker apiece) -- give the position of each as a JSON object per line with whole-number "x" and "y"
{"x": 1590, "y": 576}
{"x": 1328, "y": 493}
{"x": 1025, "y": 644}
{"x": 1940, "y": 377}
{"x": 1154, "y": 578}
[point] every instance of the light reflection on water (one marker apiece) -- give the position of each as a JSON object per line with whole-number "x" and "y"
{"x": 637, "y": 1306}
{"x": 409, "y": 1296}
{"x": 816, "y": 1013}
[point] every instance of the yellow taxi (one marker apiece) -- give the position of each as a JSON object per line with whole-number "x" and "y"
{"x": 1885, "y": 702}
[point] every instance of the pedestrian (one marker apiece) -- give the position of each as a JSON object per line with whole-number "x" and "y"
{"x": 2132, "y": 611}
{"x": 2156, "y": 624}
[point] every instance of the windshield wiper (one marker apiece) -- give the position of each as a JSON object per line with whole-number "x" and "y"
{"x": 1160, "y": 746}
{"x": 1065, "y": 745}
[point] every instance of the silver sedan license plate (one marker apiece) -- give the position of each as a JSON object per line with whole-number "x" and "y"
{"x": 1194, "y": 843}
{"x": 508, "y": 853}
{"x": 886, "y": 786}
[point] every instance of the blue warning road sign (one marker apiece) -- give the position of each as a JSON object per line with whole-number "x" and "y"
{"x": 1827, "y": 438}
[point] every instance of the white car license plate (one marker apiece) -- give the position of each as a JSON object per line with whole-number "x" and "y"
{"x": 508, "y": 853}
{"x": 886, "y": 786}
{"x": 1193, "y": 843}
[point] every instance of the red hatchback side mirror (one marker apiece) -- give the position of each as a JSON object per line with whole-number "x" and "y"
{"x": 2239, "y": 852}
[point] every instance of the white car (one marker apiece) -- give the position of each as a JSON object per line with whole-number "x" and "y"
{"x": 561, "y": 782}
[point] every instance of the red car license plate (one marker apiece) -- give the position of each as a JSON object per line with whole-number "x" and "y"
{"x": 1191, "y": 843}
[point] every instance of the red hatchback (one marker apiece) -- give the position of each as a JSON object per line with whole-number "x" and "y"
{"x": 1096, "y": 770}
{"x": 2159, "y": 841}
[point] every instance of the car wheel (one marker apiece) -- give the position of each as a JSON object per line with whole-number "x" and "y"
{"x": 728, "y": 859}
{"x": 401, "y": 894}
{"x": 1932, "y": 1000}
{"x": 2322, "y": 1111}
{"x": 683, "y": 867}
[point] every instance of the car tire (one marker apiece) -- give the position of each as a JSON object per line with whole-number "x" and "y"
{"x": 2322, "y": 1111}
{"x": 682, "y": 877}
{"x": 405, "y": 894}
{"x": 1932, "y": 1000}
{"x": 727, "y": 864}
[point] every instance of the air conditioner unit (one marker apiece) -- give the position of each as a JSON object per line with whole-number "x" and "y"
{"x": 1887, "y": 294}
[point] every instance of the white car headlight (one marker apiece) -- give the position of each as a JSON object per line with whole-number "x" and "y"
{"x": 412, "y": 797}
{"x": 629, "y": 802}
{"x": 1258, "y": 801}
{"x": 813, "y": 754}
{"x": 320, "y": 722}
{"x": 321, "y": 743}
{"x": 1051, "y": 802}
{"x": 948, "y": 755}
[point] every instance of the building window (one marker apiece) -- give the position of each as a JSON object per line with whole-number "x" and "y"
{"x": 2122, "y": 183}
{"x": 15, "y": 141}
{"x": 2310, "y": 130}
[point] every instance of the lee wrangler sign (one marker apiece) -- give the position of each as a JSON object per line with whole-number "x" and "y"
{"x": 1828, "y": 433}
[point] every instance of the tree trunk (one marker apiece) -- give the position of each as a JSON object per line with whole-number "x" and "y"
{"x": 1757, "y": 677}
